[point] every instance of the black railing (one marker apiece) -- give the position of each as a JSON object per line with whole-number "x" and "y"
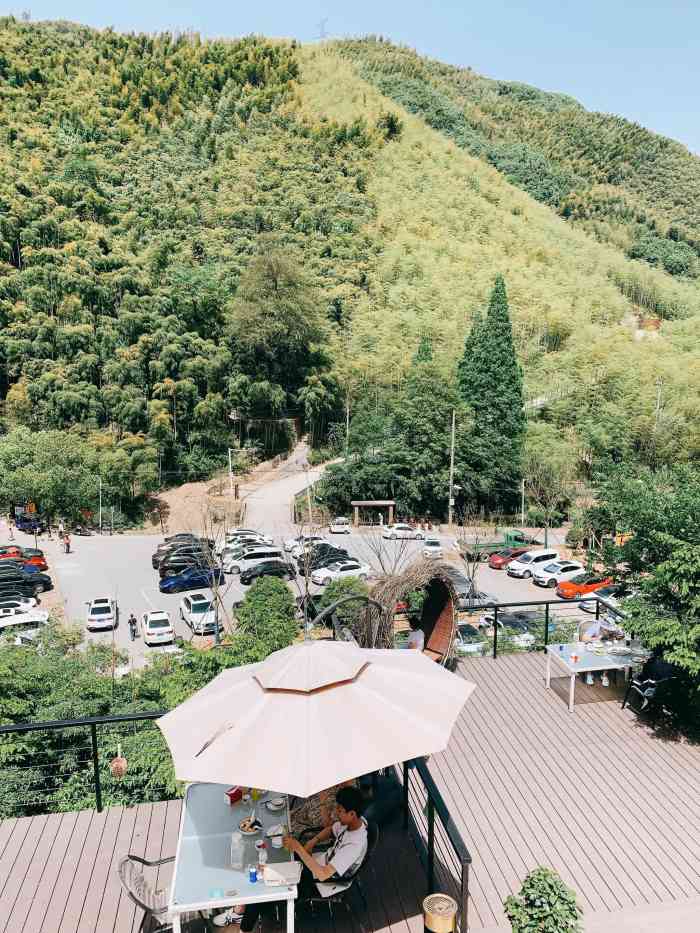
{"x": 34, "y": 777}
{"x": 441, "y": 849}
{"x": 528, "y": 625}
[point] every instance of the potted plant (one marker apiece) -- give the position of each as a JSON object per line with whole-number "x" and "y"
{"x": 544, "y": 905}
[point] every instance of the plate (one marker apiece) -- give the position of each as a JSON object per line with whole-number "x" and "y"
{"x": 274, "y": 806}
{"x": 248, "y": 832}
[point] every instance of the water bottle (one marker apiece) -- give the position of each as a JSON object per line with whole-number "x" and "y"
{"x": 237, "y": 850}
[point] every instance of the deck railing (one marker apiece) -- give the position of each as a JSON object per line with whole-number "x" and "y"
{"x": 440, "y": 846}
{"x": 530, "y": 625}
{"x": 74, "y": 754}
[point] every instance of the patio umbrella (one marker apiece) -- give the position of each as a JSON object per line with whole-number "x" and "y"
{"x": 313, "y": 715}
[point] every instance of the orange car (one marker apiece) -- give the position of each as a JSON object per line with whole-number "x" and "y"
{"x": 582, "y": 584}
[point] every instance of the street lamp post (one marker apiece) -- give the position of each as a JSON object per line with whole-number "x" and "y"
{"x": 451, "y": 503}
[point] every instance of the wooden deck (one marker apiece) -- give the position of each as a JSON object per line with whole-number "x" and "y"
{"x": 593, "y": 793}
{"x": 58, "y": 874}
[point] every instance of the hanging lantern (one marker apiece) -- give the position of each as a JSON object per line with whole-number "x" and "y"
{"x": 118, "y": 765}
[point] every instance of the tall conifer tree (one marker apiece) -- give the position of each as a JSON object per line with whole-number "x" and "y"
{"x": 490, "y": 382}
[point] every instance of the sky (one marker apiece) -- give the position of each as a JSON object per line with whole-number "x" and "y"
{"x": 636, "y": 58}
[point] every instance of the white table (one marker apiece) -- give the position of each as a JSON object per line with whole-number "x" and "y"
{"x": 588, "y": 662}
{"x": 203, "y": 879}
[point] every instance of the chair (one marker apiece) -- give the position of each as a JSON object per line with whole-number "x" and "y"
{"x": 646, "y": 688}
{"x": 343, "y": 897}
{"x": 153, "y": 903}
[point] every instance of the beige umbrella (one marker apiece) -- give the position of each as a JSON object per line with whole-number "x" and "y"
{"x": 313, "y": 715}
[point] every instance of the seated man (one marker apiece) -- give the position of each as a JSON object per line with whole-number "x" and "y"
{"x": 416, "y": 639}
{"x": 326, "y": 873}
{"x": 595, "y": 631}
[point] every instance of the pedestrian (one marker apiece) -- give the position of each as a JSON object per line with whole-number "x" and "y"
{"x": 11, "y": 523}
{"x": 66, "y": 543}
{"x": 60, "y": 529}
{"x": 132, "y": 626}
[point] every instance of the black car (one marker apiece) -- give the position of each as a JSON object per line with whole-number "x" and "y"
{"x": 180, "y": 562}
{"x": 180, "y": 549}
{"x": 321, "y": 556}
{"x": 468, "y": 596}
{"x": 268, "y": 568}
{"x": 14, "y": 590}
{"x": 28, "y": 583}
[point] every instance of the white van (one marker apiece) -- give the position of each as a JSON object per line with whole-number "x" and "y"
{"x": 525, "y": 565}
{"x": 340, "y": 526}
{"x": 253, "y": 557}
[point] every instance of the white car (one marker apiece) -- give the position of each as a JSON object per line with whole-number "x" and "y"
{"x": 102, "y": 614}
{"x": 557, "y": 572}
{"x": 249, "y": 558}
{"x": 525, "y": 565}
{"x": 230, "y": 556}
{"x": 242, "y": 532}
{"x": 432, "y": 547}
{"x": 308, "y": 542}
{"x": 392, "y": 532}
{"x": 22, "y": 603}
{"x": 339, "y": 571}
{"x": 11, "y": 618}
{"x": 340, "y": 526}
{"x": 197, "y": 610}
{"x": 157, "y": 627}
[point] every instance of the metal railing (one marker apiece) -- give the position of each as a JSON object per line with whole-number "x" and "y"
{"x": 441, "y": 849}
{"x": 529, "y": 625}
{"x": 37, "y": 777}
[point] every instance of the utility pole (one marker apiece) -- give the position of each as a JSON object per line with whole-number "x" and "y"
{"x": 99, "y": 478}
{"x": 230, "y": 473}
{"x": 347, "y": 424}
{"x": 522, "y": 502}
{"x": 308, "y": 496}
{"x": 452, "y": 473}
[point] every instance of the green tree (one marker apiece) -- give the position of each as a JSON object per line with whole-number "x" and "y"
{"x": 268, "y": 614}
{"x": 351, "y": 614}
{"x": 424, "y": 353}
{"x": 490, "y": 383}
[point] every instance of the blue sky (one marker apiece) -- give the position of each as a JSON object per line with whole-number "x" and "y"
{"x": 636, "y": 58}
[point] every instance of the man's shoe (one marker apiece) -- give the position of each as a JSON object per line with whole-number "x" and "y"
{"x": 227, "y": 918}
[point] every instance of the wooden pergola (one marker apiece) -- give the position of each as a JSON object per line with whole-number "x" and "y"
{"x": 372, "y": 503}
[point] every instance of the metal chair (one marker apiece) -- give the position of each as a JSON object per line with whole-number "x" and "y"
{"x": 153, "y": 903}
{"x": 343, "y": 897}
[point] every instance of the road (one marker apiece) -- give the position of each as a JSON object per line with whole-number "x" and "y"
{"x": 120, "y": 566}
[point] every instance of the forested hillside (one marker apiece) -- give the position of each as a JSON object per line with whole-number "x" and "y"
{"x": 191, "y": 227}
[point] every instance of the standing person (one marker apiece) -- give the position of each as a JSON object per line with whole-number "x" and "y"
{"x": 132, "y": 626}
{"x": 416, "y": 640}
{"x": 60, "y": 528}
{"x": 66, "y": 543}
{"x": 11, "y": 525}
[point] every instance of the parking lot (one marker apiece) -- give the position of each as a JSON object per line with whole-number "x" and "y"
{"x": 119, "y": 567}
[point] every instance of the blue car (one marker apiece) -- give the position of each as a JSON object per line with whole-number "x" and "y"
{"x": 194, "y": 578}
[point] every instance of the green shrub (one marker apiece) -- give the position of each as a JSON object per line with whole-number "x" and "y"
{"x": 267, "y": 614}
{"x": 544, "y": 905}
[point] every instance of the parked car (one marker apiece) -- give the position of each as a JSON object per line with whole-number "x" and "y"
{"x": 232, "y": 556}
{"x": 319, "y": 552}
{"x": 23, "y": 603}
{"x": 582, "y": 584}
{"x": 613, "y": 593}
{"x": 192, "y": 579}
{"x": 516, "y": 626}
{"x": 157, "y": 628}
{"x": 21, "y": 566}
{"x": 30, "y": 524}
{"x": 198, "y": 611}
{"x": 23, "y": 614}
{"x": 469, "y": 640}
{"x": 525, "y": 565}
{"x": 231, "y": 543}
{"x": 34, "y": 557}
{"x": 482, "y": 550}
{"x": 432, "y": 547}
{"x": 181, "y": 536}
{"x": 499, "y": 560}
{"x": 252, "y": 557}
{"x": 325, "y": 560}
{"x": 234, "y": 532}
{"x": 15, "y": 590}
{"x": 30, "y": 584}
{"x": 401, "y": 530}
{"x": 468, "y": 596}
{"x": 275, "y": 567}
{"x": 179, "y": 562}
{"x": 340, "y": 571}
{"x": 10, "y": 552}
{"x": 340, "y": 526}
{"x": 102, "y": 613}
{"x": 558, "y": 571}
{"x": 23, "y": 624}
{"x": 179, "y": 547}
{"x": 309, "y": 541}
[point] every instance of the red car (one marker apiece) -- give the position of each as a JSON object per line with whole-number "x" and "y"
{"x": 34, "y": 557}
{"x": 500, "y": 559}
{"x": 582, "y": 584}
{"x": 11, "y": 551}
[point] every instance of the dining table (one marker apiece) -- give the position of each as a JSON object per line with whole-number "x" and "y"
{"x": 589, "y": 657}
{"x": 203, "y": 876}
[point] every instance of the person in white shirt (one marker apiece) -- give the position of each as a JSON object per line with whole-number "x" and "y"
{"x": 416, "y": 639}
{"x": 326, "y": 872}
